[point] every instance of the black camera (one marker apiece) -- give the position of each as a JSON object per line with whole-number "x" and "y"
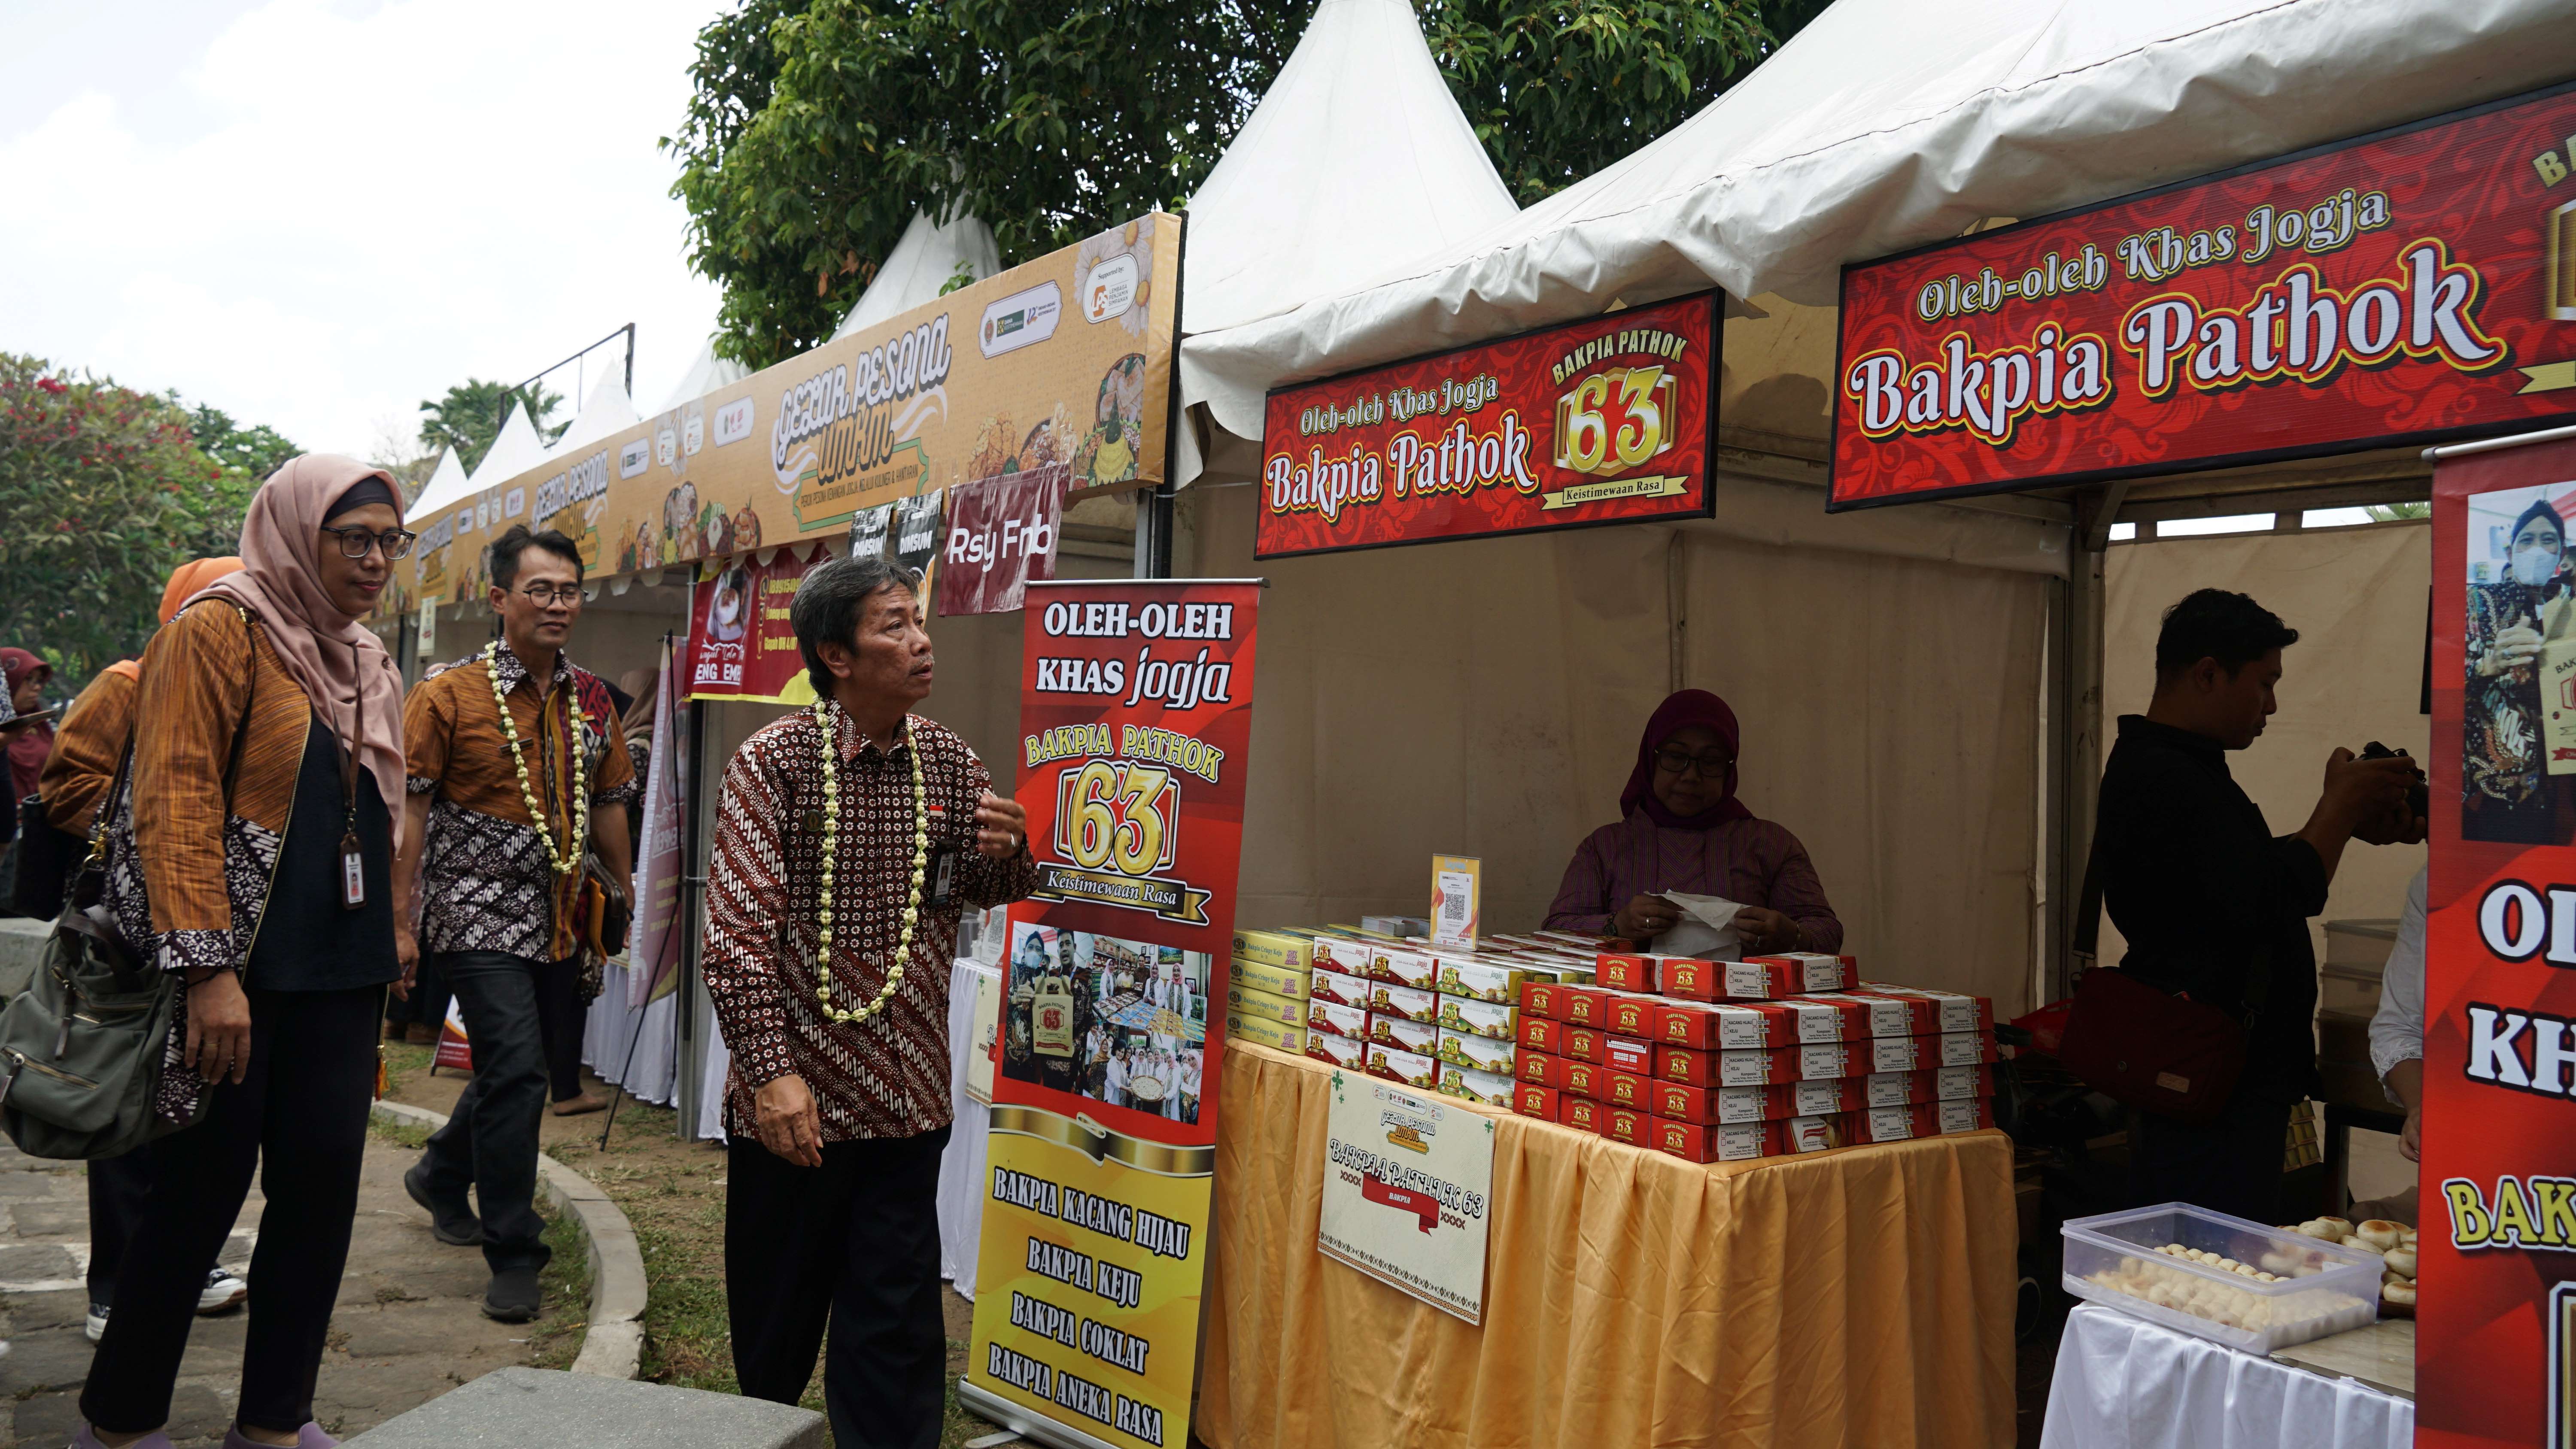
{"x": 2419, "y": 796}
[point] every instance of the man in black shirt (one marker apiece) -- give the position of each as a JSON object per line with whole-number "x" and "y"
{"x": 2213, "y": 905}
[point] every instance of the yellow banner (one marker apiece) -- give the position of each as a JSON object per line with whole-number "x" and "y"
{"x": 1087, "y": 1292}
{"x": 1062, "y": 362}
{"x": 1582, "y": 493}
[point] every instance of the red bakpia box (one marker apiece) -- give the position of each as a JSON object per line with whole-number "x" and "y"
{"x": 1586, "y": 1006}
{"x": 1540, "y": 1034}
{"x": 1923, "y": 1119}
{"x": 1582, "y": 1113}
{"x": 1631, "y": 1014}
{"x": 1531, "y": 1099}
{"x": 1542, "y": 1069}
{"x": 1729, "y": 1142}
{"x": 1625, "y": 972}
{"x": 1583, "y": 1043}
{"x": 1543, "y": 998}
{"x": 1581, "y": 1079}
{"x": 1629, "y": 1125}
{"x": 1624, "y": 1089}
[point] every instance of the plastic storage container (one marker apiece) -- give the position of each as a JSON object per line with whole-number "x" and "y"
{"x": 2118, "y": 1259}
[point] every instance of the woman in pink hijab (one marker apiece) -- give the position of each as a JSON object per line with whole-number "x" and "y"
{"x": 1683, "y": 829}
{"x": 252, "y": 855}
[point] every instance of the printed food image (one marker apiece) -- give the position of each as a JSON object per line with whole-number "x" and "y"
{"x": 718, "y": 529}
{"x": 1001, "y": 448}
{"x": 679, "y": 520}
{"x": 1108, "y": 452}
{"x": 746, "y": 528}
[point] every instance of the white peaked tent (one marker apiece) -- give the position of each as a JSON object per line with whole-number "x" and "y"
{"x": 1357, "y": 157}
{"x": 922, "y": 262}
{"x": 446, "y": 484}
{"x": 1889, "y": 124}
{"x": 518, "y": 448}
{"x": 606, "y": 413}
{"x": 706, "y": 372}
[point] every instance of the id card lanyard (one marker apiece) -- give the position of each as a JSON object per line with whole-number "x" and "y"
{"x": 353, "y": 861}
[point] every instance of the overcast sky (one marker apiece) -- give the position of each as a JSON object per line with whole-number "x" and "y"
{"x": 316, "y": 213}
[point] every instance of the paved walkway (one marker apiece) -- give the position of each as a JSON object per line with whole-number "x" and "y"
{"x": 406, "y": 1330}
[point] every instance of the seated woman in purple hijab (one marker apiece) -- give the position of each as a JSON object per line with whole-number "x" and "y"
{"x": 1685, "y": 831}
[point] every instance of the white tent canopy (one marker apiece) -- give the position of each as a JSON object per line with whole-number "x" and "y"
{"x": 923, "y": 261}
{"x": 517, "y": 449}
{"x": 446, "y": 484}
{"x": 1357, "y": 157}
{"x": 1889, "y": 124}
{"x": 606, "y": 413}
{"x": 706, "y": 372}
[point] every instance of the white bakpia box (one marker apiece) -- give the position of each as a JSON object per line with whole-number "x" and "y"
{"x": 2118, "y": 1259}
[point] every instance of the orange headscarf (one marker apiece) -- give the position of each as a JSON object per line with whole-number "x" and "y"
{"x": 189, "y": 577}
{"x": 340, "y": 663}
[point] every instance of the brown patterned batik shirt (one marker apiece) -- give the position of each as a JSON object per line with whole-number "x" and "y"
{"x": 887, "y": 1076}
{"x": 485, "y": 882}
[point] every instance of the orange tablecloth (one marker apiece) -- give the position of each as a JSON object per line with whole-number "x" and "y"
{"x": 1861, "y": 1298}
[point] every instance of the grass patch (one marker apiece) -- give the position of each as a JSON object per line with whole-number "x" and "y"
{"x": 400, "y": 1134}
{"x": 555, "y": 1338}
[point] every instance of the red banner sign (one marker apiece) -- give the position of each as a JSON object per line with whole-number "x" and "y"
{"x": 2411, "y": 286}
{"x": 1135, "y": 727}
{"x": 2496, "y": 1341}
{"x": 741, "y": 645}
{"x": 1607, "y": 420}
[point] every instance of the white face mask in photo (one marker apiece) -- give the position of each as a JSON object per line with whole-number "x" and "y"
{"x": 2532, "y": 567}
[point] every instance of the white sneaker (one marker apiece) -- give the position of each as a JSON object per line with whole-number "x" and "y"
{"x": 223, "y": 1291}
{"x": 97, "y": 1324}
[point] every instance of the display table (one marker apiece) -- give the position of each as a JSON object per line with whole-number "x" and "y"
{"x": 2125, "y": 1383}
{"x": 1857, "y": 1297}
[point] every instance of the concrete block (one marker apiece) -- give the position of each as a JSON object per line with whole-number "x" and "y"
{"x": 514, "y": 1407}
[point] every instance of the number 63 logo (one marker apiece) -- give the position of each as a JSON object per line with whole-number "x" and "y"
{"x": 1614, "y": 420}
{"x": 1118, "y": 815}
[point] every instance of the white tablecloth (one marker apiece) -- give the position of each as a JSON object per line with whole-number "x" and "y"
{"x": 961, "y": 1168}
{"x": 643, "y": 1061}
{"x": 2125, "y": 1383}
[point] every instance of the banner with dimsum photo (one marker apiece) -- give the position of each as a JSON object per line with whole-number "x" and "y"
{"x": 741, "y": 642}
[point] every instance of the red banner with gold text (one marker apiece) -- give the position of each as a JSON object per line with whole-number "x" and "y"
{"x": 2496, "y": 1337}
{"x": 1135, "y": 718}
{"x": 2411, "y": 286}
{"x": 1606, "y": 420}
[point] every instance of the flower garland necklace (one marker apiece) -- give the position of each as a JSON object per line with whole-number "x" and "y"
{"x": 564, "y": 863}
{"x": 828, "y": 737}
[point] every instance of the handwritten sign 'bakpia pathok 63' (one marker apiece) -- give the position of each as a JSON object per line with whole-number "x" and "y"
{"x": 2410, "y": 286}
{"x": 1606, "y": 420}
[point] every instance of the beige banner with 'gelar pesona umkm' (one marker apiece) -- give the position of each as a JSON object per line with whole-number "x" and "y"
{"x": 1062, "y": 364}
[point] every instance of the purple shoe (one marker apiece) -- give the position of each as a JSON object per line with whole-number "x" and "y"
{"x": 85, "y": 1439}
{"x": 308, "y": 1437}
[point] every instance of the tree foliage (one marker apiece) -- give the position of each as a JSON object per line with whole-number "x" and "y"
{"x": 243, "y": 458}
{"x": 469, "y": 417}
{"x": 816, "y": 127}
{"x": 102, "y": 492}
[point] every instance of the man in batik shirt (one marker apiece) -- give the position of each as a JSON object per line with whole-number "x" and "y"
{"x": 494, "y": 836}
{"x": 835, "y": 1005}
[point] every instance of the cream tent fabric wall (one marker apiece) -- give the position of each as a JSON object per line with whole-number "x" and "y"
{"x": 1485, "y": 697}
{"x": 2357, "y": 599}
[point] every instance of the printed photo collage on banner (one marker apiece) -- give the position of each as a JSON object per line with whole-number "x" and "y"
{"x": 953, "y": 433}
{"x": 1135, "y": 722}
{"x": 2496, "y": 1344}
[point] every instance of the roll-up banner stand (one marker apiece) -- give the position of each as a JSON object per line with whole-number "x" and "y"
{"x": 2496, "y": 1334}
{"x": 1136, "y": 714}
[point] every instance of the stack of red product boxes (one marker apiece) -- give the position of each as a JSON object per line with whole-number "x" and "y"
{"x": 1717, "y": 1061}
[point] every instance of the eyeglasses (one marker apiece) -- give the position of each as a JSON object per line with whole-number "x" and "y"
{"x": 354, "y": 541}
{"x": 541, "y": 595}
{"x": 1712, "y": 764}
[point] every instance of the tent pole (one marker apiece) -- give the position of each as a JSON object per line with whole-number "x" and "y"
{"x": 2076, "y": 729}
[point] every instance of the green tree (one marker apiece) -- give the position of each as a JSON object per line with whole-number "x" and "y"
{"x": 102, "y": 492}
{"x": 817, "y": 126}
{"x": 243, "y": 457}
{"x": 469, "y": 417}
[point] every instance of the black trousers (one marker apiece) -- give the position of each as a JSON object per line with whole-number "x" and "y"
{"x": 429, "y": 997}
{"x": 854, "y": 1242}
{"x": 118, "y": 1187}
{"x": 561, "y": 1018}
{"x": 300, "y": 1118}
{"x": 490, "y": 1144}
{"x": 2231, "y": 1164}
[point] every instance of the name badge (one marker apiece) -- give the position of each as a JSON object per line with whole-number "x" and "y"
{"x": 943, "y": 876}
{"x": 353, "y": 874}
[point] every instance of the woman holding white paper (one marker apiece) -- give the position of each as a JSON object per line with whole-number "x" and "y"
{"x": 1684, "y": 830}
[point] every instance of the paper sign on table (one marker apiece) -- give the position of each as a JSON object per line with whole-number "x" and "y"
{"x": 1457, "y": 885}
{"x": 1408, "y": 1190}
